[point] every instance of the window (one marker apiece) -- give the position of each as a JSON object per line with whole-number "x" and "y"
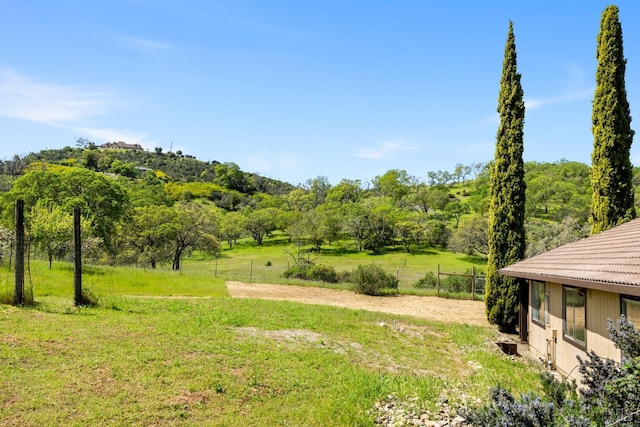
{"x": 631, "y": 309}
{"x": 575, "y": 315}
{"x": 538, "y": 306}
{"x": 546, "y": 309}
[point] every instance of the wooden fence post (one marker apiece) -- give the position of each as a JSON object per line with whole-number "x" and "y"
{"x": 438, "y": 282}
{"x": 77, "y": 258}
{"x": 18, "y": 296}
{"x": 473, "y": 283}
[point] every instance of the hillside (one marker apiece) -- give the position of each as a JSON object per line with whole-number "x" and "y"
{"x": 158, "y": 194}
{"x": 173, "y": 167}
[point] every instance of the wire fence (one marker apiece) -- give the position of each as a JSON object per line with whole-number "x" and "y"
{"x": 411, "y": 279}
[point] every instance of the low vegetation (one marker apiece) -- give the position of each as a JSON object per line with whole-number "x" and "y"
{"x": 608, "y": 396}
{"x": 333, "y": 267}
{"x": 104, "y": 282}
{"x": 209, "y": 359}
{"x": 372, "y": 280}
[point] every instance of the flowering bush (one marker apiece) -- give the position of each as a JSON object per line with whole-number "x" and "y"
{"x": 609, "y": 395}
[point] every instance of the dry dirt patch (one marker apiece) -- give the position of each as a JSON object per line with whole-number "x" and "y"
{"x": 432, "y": 308}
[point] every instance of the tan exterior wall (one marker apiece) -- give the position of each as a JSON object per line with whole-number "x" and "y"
{"x": 562, "y": 353}
{"x": 602, "y": 306}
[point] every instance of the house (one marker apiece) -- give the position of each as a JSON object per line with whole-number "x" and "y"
{"x": 571, "y": 291}
{"x": 121, "y": 145}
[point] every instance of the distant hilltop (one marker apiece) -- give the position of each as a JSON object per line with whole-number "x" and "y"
{"x": 121, "y": 145}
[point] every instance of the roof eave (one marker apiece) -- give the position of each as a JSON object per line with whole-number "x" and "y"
{"x": 619, "y": 288}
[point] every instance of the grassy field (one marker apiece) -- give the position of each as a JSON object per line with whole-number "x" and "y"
{"x": 166, "y": 347}
{"x": 105, "y": 282}
{"x": 222, "y": 361}
{"x": 251, "y": 263}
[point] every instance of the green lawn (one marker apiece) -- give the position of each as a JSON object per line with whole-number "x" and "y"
{"x": 158, "y": 358}
{"x": 222, "y": 361}
{"x": 165, "y": 347}
{"x": 104, "y": 282}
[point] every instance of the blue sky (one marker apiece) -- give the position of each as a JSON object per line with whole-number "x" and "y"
{"x": 299, "y": 89}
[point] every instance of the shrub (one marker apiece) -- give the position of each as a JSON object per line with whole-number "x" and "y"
{"x": 456, "y": 284}
{"x": 452, "y": 283}
{"x": 429, "y": 281}
{"x": 310, "y": 271}
{"x": 322, "y": 272}
{"x": 298, "y": 270}
{"x": 371, "y": 279}
{"x": 609, "y": 393}
{"x": 344, "y": 276}
{"x": 505, "y": 410}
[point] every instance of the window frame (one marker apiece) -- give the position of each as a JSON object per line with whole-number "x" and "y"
{"x": 623, "y": 311}
{"x": 571, "y": 310}
{"x": 547, "y": 303}
{"x": 542, "y": 312}
{"x": 623, "y": 307}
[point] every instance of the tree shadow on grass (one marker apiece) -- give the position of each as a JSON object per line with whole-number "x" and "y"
{"x": 402, "y": 251}
{"x": 273, "y": 241}
{"x": 94, "y": 271}
{"x": 337, "y": 251}
{"x": 477, "y": 260}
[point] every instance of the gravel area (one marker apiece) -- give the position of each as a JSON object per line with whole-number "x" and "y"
{"x": 432, "y": 308}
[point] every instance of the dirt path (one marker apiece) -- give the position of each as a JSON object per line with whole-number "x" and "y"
{"x": 433, "y": 308}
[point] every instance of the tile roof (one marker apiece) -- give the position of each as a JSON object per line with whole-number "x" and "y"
{"x": 609, "y": 261}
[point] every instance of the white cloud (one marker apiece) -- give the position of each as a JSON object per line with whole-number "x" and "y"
{"x": 577, "y": 95}
{"x": 367, "y": 153}
{"x": 145, "y": 45}
{"x": 385, "y": 149}
{"x": 61, "y": 106}
{"x": 24, "y": 99}
{"x": 107, "y": 134}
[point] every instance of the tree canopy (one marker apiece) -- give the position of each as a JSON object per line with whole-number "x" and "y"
{"x": 612, "y": 199}
{"x": 507, "y": 204}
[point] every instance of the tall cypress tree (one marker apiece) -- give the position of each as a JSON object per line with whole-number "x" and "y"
{"x": 611, "y": 171}
{"x": 507, "y": 187}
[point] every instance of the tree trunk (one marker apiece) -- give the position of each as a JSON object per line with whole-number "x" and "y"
{"x": 176, "y": 261}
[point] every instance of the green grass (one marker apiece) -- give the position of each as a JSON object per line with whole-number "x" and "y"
{"x": 106, "y": 282}
{"x": 233, "y": 362}
{"x": 248, "y": 262}
{"x": 171, "y": 348}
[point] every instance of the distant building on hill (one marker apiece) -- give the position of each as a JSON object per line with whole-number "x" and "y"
{"x": 121, "y": 145}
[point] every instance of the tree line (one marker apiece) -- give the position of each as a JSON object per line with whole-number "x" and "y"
{"x": 152, "y": 220}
